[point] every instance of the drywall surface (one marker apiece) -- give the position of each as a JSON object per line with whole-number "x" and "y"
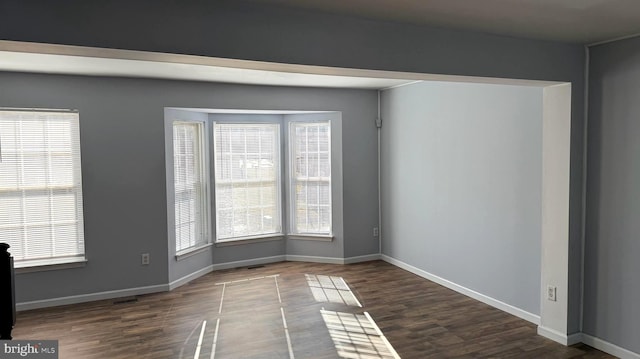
{"x": 556, "y": 145}
{"x": 612, "y": 288}
{"x": 264, "y": 32}
{"x": 267, "y": 32}
{"x": 122, "y": 133}
{"x": 461, "y": 185}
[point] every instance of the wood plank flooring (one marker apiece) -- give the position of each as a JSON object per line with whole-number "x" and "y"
{"x": 246, "y": 319}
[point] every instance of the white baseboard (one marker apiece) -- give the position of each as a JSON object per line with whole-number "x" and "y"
{"x": 557, "y": 336}
{"x": 228, "y": 265}
{"x": 530, "y": 317}
{"x": 333, "y": 260}
{"x": 314, "y": 259}
{"x": 543, "y": 331}
{"x": 189, "y": 277}
{"x": 249, "y": 262}
{"x": 575, "y": 338}
{"x": 74, "y": 299}
{"x": 365, "y": 258}
{"x": 609, "y": 348}
{"x": 264, "y": 260}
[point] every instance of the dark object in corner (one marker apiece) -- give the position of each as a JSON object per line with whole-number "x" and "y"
{"x": 7, "y": 293}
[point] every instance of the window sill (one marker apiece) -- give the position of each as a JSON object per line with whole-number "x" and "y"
{"x": 43, "y": 266}
{"x": 311, "y": 237}
{"x": 186, "y": 253}
{"x": 242, "y": 241}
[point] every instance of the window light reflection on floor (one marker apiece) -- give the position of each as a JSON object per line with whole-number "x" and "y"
{"x": 328, "y": 289}
{"x": 356, "y": 336}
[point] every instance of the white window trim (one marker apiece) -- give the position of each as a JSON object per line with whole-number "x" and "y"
{"x": 335, "y": 119}
{"x": 292, "y": 233}
{"x": 189, "y": 252}
{"x": 171, "y": 116}
{"x": 311, "y": 237}
{"x": 60, "y": 262}
{"x": 249, "y": 240}
{"x": 204, "y": 180}
{"x": 75, "y": 262}
{"x": 260, "y": 237}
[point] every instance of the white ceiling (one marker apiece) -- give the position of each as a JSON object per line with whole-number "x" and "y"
{"x": 581, "y": 21}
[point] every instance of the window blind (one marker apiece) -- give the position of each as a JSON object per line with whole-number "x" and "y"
{"x": 41, "y": 214}
{"x": 247, "y": 180}
{"x": 310, "y": 147}
{"x": 190, "y": 185}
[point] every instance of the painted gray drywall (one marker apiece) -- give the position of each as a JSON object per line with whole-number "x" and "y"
{"x": 253, "y": 31}
{"x": 245, "y": 30}
{"x": 612, "y": 250}
{"x": 461, "y": 184}
{"x": 123, "y": 166}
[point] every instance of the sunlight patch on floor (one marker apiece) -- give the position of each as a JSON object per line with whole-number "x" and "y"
{"x": 327, "y": 289}
{"x": 357, "y": 336}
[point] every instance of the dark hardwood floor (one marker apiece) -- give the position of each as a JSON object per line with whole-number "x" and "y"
{"x": 224, "y": 315}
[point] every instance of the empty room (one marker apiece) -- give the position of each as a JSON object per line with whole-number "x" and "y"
{"x": 307, "y": 179}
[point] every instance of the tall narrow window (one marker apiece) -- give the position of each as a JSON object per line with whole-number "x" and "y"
{"x": 247, "y": 180}
{"x": 41, "y": 187}
{"x": 310, "y": 148}
{"x": 190, "y": 185}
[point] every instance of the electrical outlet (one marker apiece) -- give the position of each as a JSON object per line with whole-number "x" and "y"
{"x": 551, "y": 293}
{"x": 375, "y": 231}
{"x": 145, "y": 259}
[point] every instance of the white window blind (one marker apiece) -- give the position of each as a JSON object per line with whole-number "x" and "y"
{"x": 247, "y": 180}
{"x": 310, "y": 148}
{"x": 190, "y": 185}
{"x": 41, "y": 187}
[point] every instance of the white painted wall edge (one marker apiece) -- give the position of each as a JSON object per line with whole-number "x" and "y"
{"x": 75, "y": 299}
{"x": 608, "y": 347}
{"x": 530, "y": 317}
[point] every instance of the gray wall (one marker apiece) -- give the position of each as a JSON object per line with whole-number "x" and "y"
{"x": 612, "y": 250}
{"x": 461, "y": 185}
{"x": 236, "y": 29}
{"x": 123, "y": 168}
